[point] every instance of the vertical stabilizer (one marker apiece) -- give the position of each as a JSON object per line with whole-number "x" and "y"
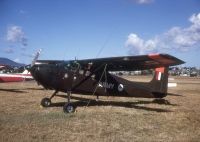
{"x": 159, "y": 82}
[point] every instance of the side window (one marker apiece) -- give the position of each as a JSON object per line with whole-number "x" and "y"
{"x": 75, "y": 66}
{"x": 72, "y": 66}
{"x": 67, "y": 66}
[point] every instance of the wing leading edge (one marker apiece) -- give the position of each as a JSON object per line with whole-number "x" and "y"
{"x": 125, "y": 63}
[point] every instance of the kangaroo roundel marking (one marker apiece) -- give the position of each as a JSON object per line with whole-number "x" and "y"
{"x": 120, "y": 87}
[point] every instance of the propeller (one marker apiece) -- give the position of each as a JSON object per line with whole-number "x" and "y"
{"x": 36, "y": 57}
{"x": 28, "y": 67}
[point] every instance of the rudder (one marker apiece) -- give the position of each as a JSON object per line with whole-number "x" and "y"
{"x": 159, "y": 82}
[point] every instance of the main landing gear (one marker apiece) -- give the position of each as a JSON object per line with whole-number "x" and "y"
{"x": 46, "y": 102}
{"x": 67, "y": 108}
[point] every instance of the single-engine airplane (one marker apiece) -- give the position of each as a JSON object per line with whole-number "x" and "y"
{"x": 94, "y": 76}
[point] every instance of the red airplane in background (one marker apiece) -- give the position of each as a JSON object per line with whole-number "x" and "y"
{"x": 22, "y": 74}
{"x": 15, "y": 77}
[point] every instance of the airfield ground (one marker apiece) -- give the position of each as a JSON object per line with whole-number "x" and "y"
{"x": 112, "y": 119}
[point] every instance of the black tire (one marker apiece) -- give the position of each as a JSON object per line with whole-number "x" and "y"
{"x": 68, "y": 108}
{"x": 46, "y": 102}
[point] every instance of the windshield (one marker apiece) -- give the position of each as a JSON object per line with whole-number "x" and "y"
{"x": 71, "y": 65}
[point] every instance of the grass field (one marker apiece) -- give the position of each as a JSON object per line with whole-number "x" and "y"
{"x": 110, "y": 120}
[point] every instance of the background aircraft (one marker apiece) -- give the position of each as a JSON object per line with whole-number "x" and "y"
{"x": 10, "y": 74}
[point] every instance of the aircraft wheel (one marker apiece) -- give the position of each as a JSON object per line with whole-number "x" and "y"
{"x": 46, "y": 102}
{"x": 68, "y": 108}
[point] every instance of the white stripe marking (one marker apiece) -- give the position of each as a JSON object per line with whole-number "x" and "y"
{"x": 159, "y": 75}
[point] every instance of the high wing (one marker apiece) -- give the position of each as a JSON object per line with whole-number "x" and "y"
{"x": 131, "y": 63}
{"x": 125, "y": 63}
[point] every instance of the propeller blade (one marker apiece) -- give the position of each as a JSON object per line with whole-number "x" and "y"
{"x": 36, "y": 57}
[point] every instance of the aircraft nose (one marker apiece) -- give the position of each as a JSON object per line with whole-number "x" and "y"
{"x": 34, "y": 70}
{"x": 41, "y": 74}
{"x": 39, "y": 71}
{"x": 45, "y": 75}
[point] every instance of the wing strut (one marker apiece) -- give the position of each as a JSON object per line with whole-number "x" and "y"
{"x": 104, "y": 72}
{"x": 68, "y": 107}
{"x": 92, "y": 73}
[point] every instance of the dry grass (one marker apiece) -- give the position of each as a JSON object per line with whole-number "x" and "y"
{"x": 112, "y": 119}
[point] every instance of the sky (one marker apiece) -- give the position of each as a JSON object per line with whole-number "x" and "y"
{"x": 82, "y": 29}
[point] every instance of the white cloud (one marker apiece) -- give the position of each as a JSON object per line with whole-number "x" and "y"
{"x": 138, "y": 45}
{"x": 195, "y": 19}
{"x": 185, "y": 38}
{"x": 15, "y": 34}
{"x": 144, "y": 1}
{"x": 175, "y": 39}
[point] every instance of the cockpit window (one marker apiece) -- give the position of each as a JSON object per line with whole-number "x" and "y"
{"x": 75, "y": 66}
{"x": 72, "y": 65}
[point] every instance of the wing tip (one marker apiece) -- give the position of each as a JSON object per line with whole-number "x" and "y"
{"x": 166, "y": 59}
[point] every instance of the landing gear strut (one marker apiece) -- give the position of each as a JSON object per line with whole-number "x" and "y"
{"x": 46, "y": 102}
{"x": 68, "y": 107}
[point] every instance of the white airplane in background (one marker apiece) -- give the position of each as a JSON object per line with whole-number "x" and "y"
{"x": 18, "y": 77}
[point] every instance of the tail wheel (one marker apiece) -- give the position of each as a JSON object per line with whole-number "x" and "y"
{"x": 68, "y": 108}
{"x": 46, "y": 102}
